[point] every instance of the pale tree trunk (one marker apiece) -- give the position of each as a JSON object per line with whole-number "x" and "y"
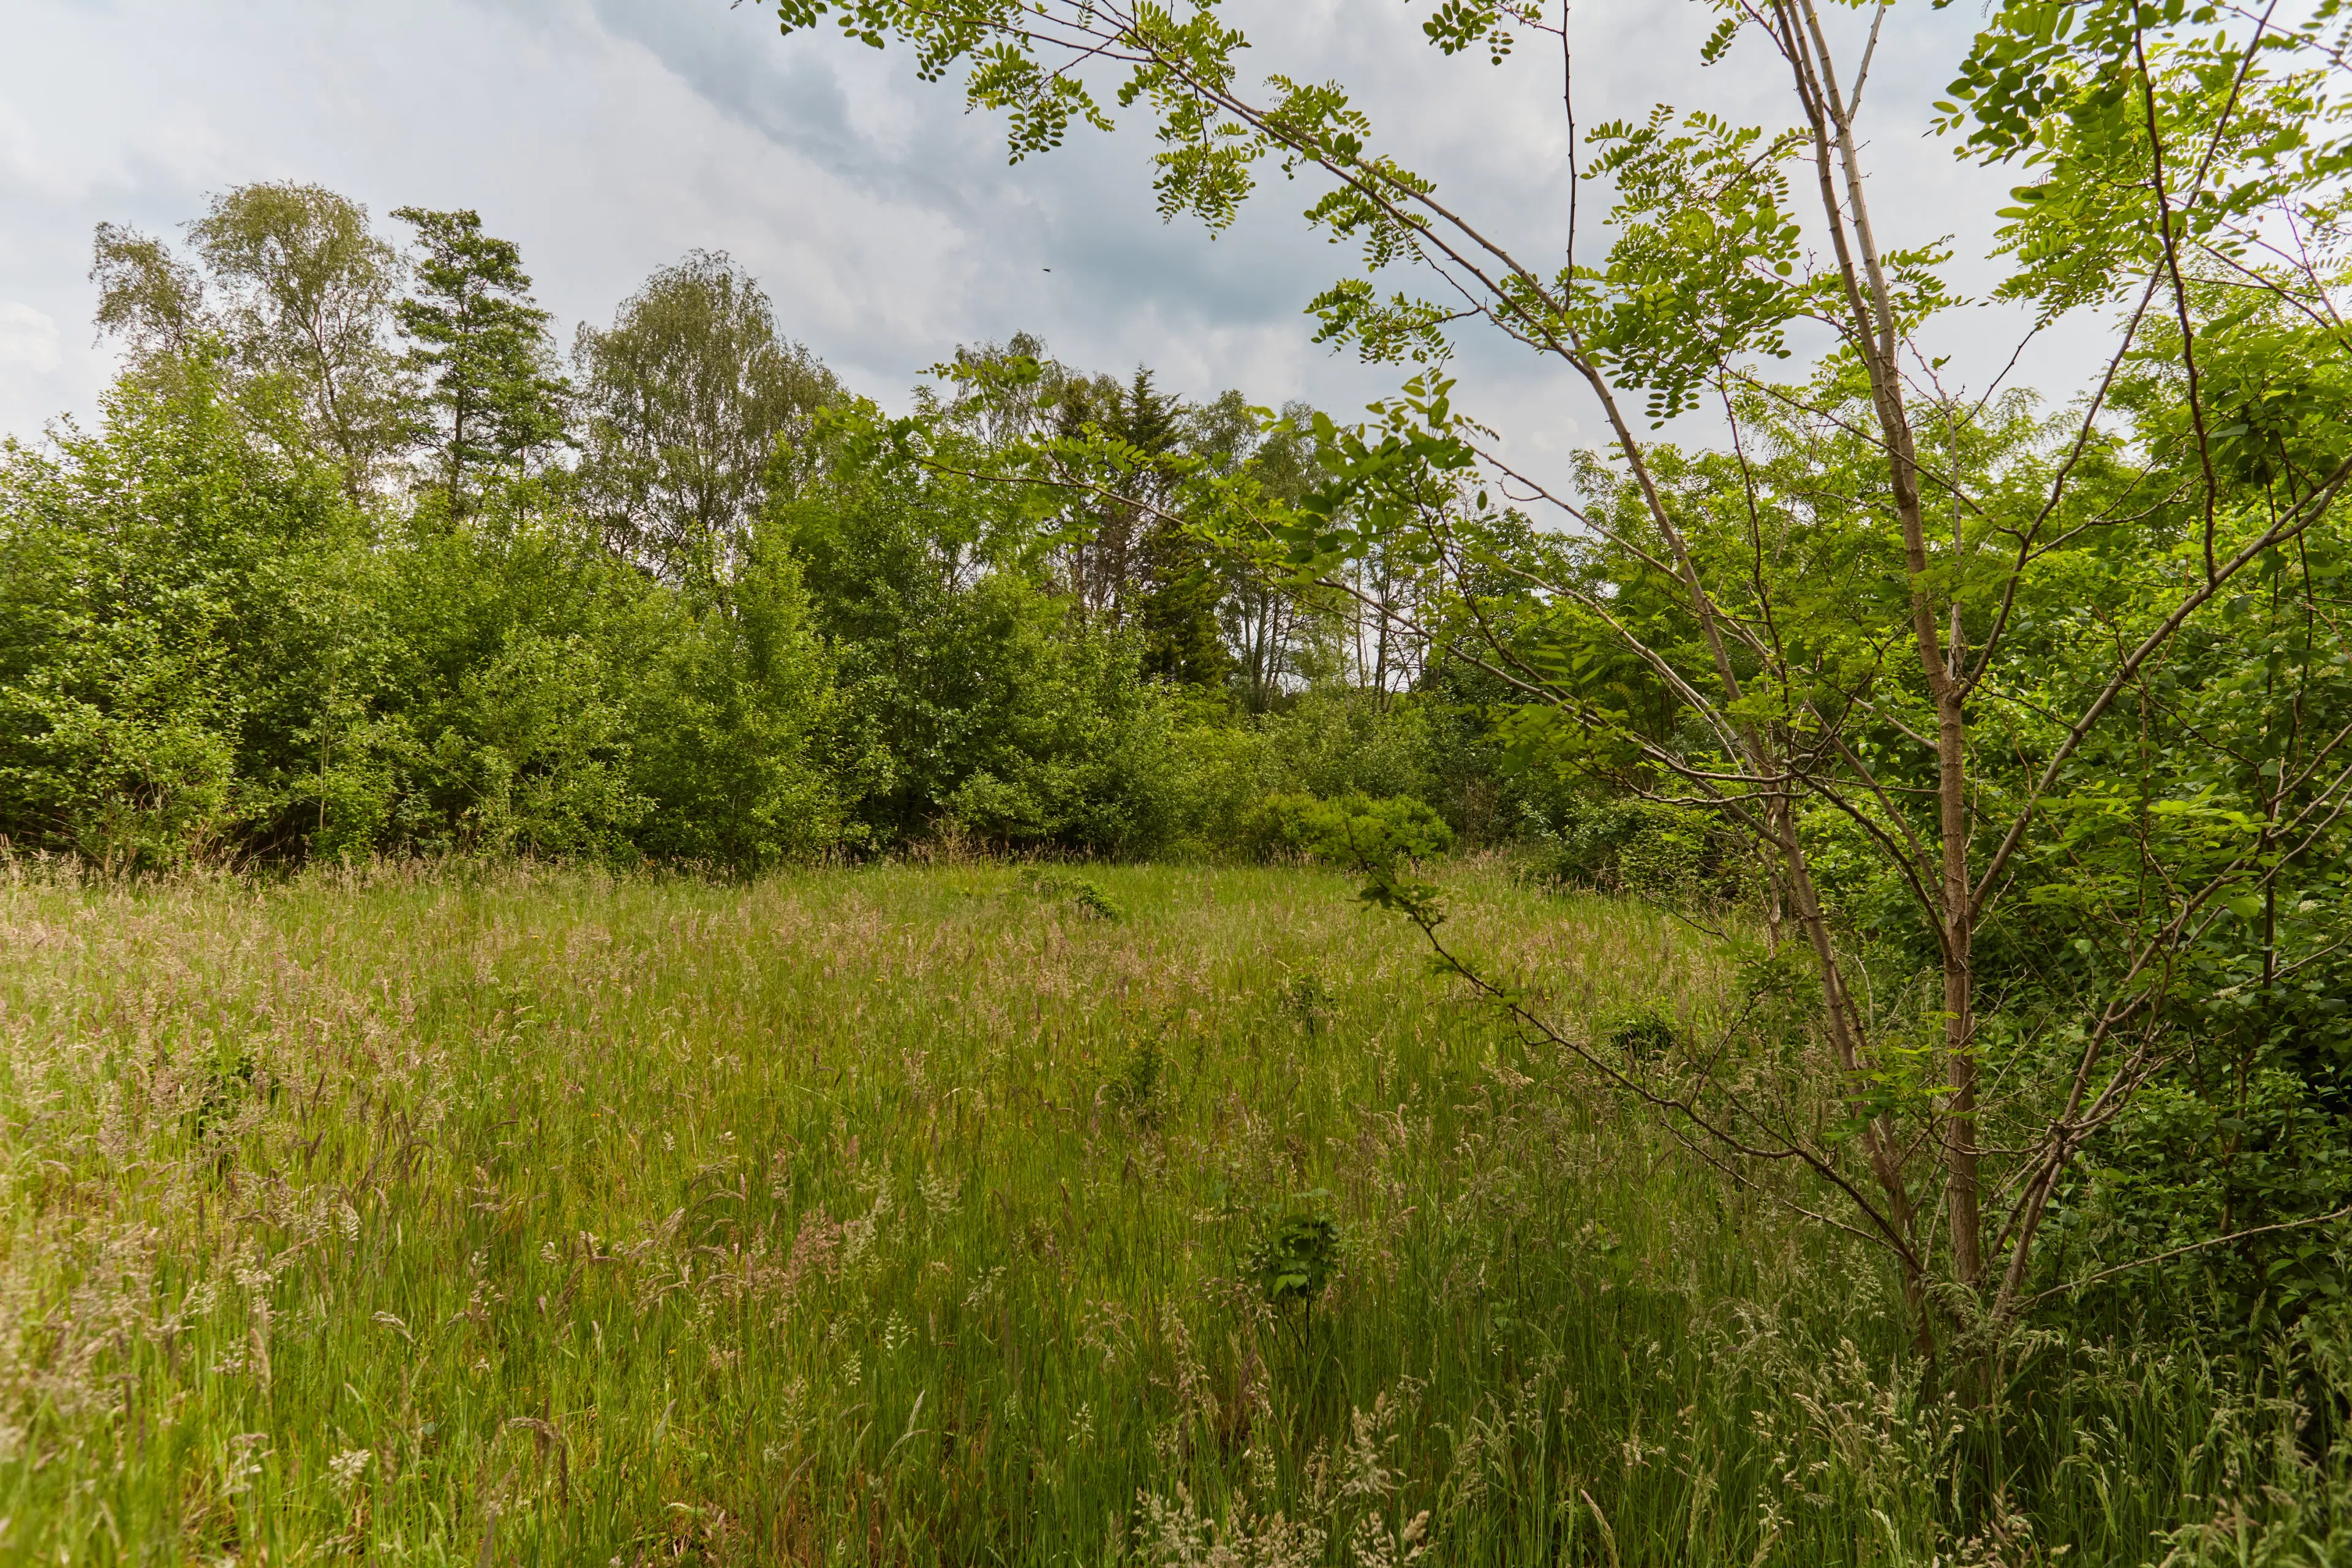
{"x": 1876, "y": 339}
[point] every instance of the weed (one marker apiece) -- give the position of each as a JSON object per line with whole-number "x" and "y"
{"x": 225, "y": 1088}
{"x": 1642, "y": 1034}
{"x": 1082, "y": 893}
{"x": 1305, "y": 997}
{"x": 1139, "y": 1091}
{"x": 1092, "y": 899}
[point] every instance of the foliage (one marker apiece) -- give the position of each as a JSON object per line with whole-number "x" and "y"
{"x": 713, "y": 610}
{"x": 1088, "y": 898}
{"x": 1295, "y": 1261}
{"x": 2002, "y": 743}
{"x": 1969, "y": 1159}
{"x": 213, "y": 655}
{"x": 1140, "y": 1090}
{"x": 1642, "y": 1034}
{"x": 167, "y": 594}
{"x": 483, "y": 347}
{"x": 210, "y": 655}
{"x": 302, "y": 285}
{"x": 1649, "y": 848}
{"x": 1351, "y": 830}
{"x": 687, "y": 395}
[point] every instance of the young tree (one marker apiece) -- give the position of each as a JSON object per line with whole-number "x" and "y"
{"x": 690, "y": 394}
{"x": 184, "y": 615}
{"x": 482, "y": 347}
{"x": 1863, "y": 658}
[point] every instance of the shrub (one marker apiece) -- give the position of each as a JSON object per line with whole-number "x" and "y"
{"x": 1642, "y": 1034}
{"x": 1669, "y": 853}
{"x": 1351, "y": 830}
{"x": 1084, "y": 896}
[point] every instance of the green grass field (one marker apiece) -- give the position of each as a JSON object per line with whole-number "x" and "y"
{"x": 927, "y": 1216}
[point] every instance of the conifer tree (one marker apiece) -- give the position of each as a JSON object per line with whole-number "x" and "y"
{"x": 483, "y": 346}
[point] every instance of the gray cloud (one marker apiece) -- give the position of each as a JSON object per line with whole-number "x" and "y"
{"x": 609, "y": 136}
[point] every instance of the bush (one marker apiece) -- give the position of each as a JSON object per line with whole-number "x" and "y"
{"x": 1669, "y": 853}
{"x": 162, "y": 583}
{"x": 1352, "y": 830}
{"x": 1339, "y": 742}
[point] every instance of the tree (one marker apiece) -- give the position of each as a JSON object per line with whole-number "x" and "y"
{"x": 1140, "y": 428}
{"x": 689, "y": 392}
{"x": 1859, "y": 657}
{"x": 307, "y": 290}
{"x": 1134, "y": 559}
{"x": 146, "y": 296}
{"x": 1116, "y": 457}
{"x": 299, "y": 291}
{"x": 970, "y": 691}
{"x": 1273, "y": 624}
{"x": 482, "y": 347}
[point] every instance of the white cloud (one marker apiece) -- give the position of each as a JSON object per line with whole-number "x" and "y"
{"x": 609, "y": 136}
{"x": 28, "y": 338}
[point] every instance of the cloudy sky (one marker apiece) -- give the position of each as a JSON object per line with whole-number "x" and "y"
{"x": 610, "y": 136}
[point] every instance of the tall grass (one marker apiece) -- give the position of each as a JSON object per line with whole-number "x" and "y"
{"x": 913, "y": 1216}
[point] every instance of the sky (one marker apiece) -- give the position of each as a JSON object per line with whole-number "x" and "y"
{"x": 609, "y": 137}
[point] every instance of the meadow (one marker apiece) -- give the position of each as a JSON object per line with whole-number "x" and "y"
{"x": 975, "y": 1214}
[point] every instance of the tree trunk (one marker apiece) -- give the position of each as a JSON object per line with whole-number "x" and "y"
{"x": 1959, "y": 982}
{"x": 1877, "y": 339}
